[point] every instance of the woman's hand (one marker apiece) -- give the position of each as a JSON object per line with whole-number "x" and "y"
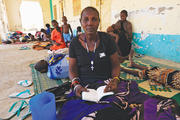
{"x": 79, "y": 89}
{"x": 112, "y": 86}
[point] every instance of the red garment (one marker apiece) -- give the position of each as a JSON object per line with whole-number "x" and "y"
{"x": 58, "y": 38}
{"x": 19, "y": 32}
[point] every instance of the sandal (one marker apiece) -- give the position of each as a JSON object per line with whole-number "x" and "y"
{"x": 22, "y": 95}
{"x": 25, "y": 113}
{"x": 15, "y": 109}
{"x": 24, "y": 48}
{"x": 25, "y": 83}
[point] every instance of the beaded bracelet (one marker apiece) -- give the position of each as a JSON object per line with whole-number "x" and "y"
{"x": 74, "y": 82}
{"x": 76, "y": 87}
{"x": 75, "y": 78}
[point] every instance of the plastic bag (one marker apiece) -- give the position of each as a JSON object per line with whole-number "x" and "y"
{"x": 58, "y": 66}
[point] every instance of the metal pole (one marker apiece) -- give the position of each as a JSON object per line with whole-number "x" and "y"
{"x": 51, "y": 9}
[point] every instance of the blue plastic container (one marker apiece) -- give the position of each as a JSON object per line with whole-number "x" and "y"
{"x": 43, "y": 106}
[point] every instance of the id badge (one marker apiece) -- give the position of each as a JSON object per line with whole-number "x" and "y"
{"x": 101, "y": 55}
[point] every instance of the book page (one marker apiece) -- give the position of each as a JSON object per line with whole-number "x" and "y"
{"x": 90, "y": 96}
{"x": 100, "y": 92}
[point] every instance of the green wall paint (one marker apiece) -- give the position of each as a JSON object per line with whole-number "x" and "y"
{"x": 51, "y": 9}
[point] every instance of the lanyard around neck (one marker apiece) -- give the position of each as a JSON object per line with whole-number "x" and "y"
{"x": 94, "y": 50}
{"x": 88, "y": 48}
{"x": 92, "y": 57}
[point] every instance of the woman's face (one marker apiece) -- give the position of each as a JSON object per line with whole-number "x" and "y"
{"x": 54, "y": 24}
{"x": 90, "y": 21}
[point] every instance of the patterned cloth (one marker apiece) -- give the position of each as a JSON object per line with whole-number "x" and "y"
{"x": 57, "y": 37}
{"x": 67, "y": 37}
{"x": 151, "y": 87}
{"x": 128, "y": 93}
{"x": 167, "y": 77}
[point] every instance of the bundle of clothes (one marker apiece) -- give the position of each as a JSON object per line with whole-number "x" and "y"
{"x": 16, "y": 36}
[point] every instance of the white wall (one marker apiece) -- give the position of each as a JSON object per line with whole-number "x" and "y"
{"x": 3, "y": 21}
{"x": 13, "y": 14}
{"x": 150, "y": 16}
{"x": 14, "y": 17}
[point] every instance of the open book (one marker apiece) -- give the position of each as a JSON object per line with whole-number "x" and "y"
{"x": 95, "y": 95}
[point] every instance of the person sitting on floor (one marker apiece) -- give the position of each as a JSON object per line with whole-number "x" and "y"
{"x": 38, "y": 36}
{"x": 57, "y": 37}
{"x": 49, "y": 29}
{"x": 122, "y": 31}
{"x": 164, "y": 76}
{"x": 31, "y": 37}
{"x": 44, "y": 35}
{"x": 94, "y": 62}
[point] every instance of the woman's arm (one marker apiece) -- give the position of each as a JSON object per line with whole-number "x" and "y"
{"x": 73, "y": 75}
{"x": 112, "y": 86}
{"x": 115, "y": 65}
{"x": 73, "y": 68}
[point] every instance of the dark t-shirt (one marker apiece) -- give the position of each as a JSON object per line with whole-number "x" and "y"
{"x": 102, "y": 63}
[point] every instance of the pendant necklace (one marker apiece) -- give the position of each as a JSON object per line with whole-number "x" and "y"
{"x": 92, "y": 57}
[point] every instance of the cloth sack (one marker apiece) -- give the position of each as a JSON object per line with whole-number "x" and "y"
{"x": 58, "y": 66}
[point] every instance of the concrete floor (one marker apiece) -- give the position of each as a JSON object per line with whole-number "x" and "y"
{"x": 14, "y": 66}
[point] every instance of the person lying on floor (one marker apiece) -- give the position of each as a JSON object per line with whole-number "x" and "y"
{"x": 94, "y": 62}
{"x": 167, "y": 77}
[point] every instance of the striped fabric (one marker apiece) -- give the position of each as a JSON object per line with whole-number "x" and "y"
{"x": 42, "y": 82}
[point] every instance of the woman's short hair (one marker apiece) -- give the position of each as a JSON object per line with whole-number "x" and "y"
{"x": 54, "y": 21}
{"x": 125, "y": 12}
{"x": 91, "y": 8}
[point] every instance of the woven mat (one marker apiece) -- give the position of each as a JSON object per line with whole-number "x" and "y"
{"x": 148, "y": 87}
{"x": 41, "y": 82}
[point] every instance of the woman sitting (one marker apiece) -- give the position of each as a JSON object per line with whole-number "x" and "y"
{"x": 94, "y": 62}
{"x": 57, "y": 37}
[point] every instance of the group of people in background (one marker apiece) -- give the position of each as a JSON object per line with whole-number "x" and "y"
{"x": 121, "y": 31}
{"x": 59, "y": 36}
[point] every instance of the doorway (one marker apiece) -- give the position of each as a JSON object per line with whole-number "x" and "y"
{"x": 31, "y": 16}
